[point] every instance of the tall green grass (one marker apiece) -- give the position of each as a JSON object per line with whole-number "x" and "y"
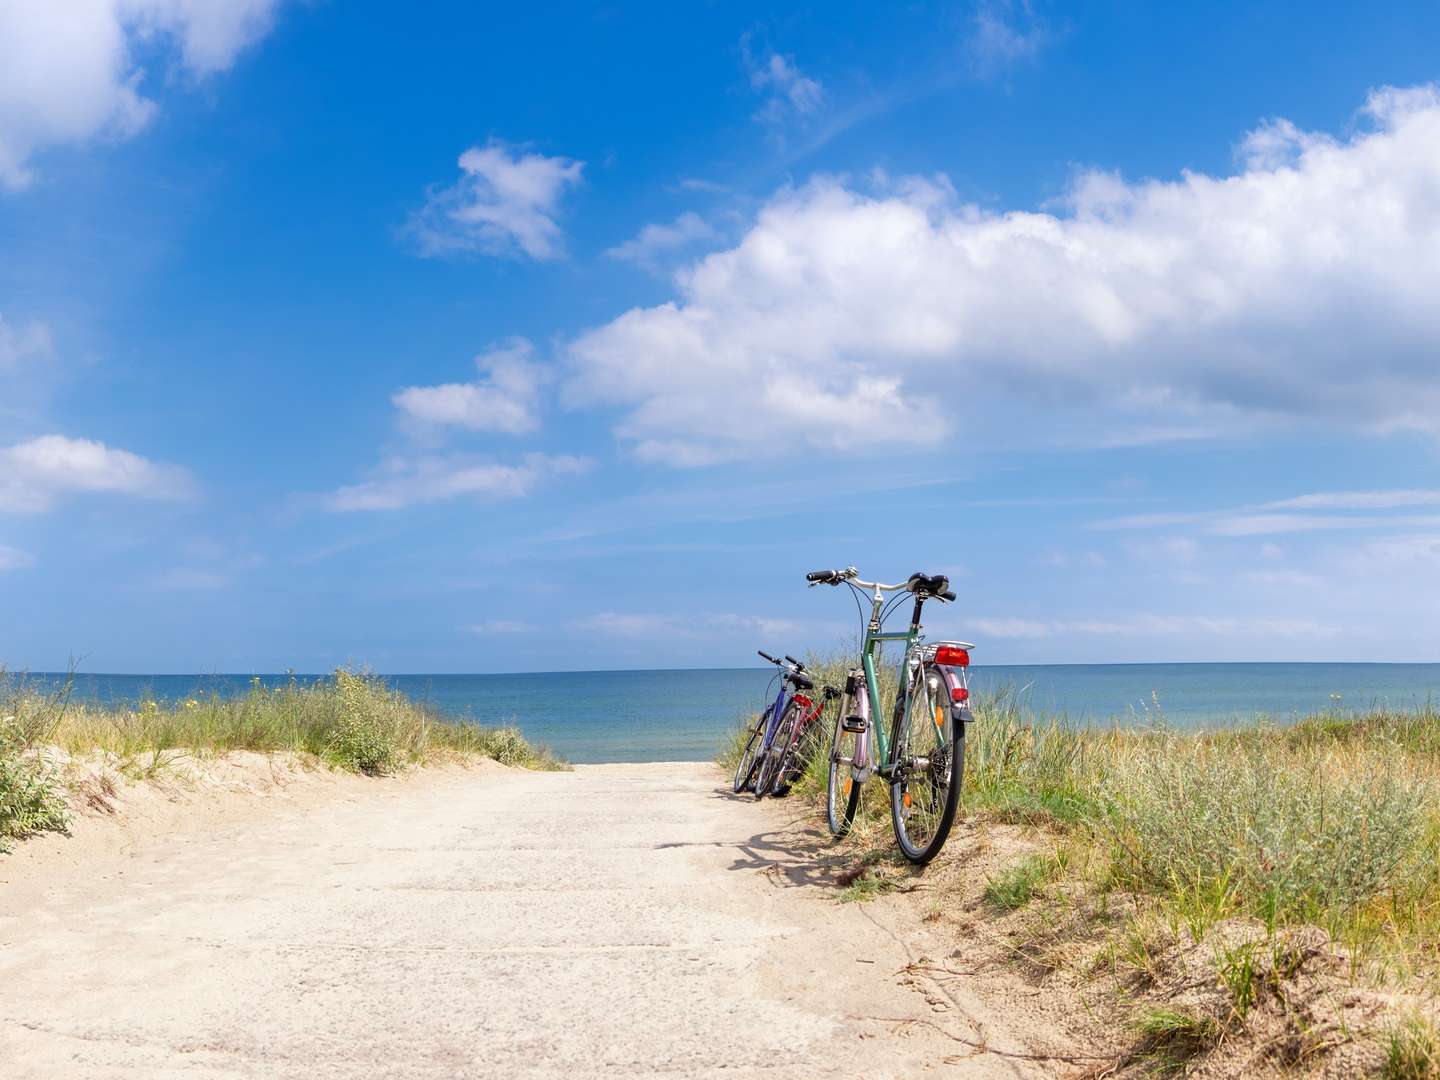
{"x": 351, "y": 720}
{"x": 1333, "y": 820}
{"x": 30, "y": 801}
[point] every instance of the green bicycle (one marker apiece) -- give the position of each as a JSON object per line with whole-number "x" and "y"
{"x": 923, "y": 758}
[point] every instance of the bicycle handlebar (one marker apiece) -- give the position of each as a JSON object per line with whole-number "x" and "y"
{"x": 850, "y": 574}
{"x": 798, "y": 665}
{"x": 767, "y": 656}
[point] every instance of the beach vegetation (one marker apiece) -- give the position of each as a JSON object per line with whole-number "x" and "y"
{"x": 351, "y": 720}
{"x": 1163, "y": 858}
{"x": 30, "y": 798}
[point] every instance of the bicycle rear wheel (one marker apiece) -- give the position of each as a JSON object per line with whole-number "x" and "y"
{"x": 842, "y": 788}
{"x": 809, "y": 750}
{"x": 928, "y": 751}
{"x": 745, "y": 768}
{"x": 770, "y": 764}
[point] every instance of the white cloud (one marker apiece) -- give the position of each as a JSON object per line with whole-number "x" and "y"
{"x": 210, "y": 33}
{"x": 506, "y": 203}
{"x": 1003, "y": 33}
{"x": 20, "y": 345}
{"x": 1357, "y": 500}
{"x": 1145, "y": 625}
{"x": 1282, "y": 294}
{"x": 68, "y": 72}
{"x": 656, "y": 241}
{"x": 14, "y": 559}
{"x": 1259, "y": 520}
{"x": 410, "y": 480}
{"x": 34, "y": 474}
{"x": 505, "y": 399}
{"x": 787, "y": 92}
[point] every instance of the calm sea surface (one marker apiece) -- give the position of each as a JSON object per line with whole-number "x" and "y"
{"x": 595, "y": 716}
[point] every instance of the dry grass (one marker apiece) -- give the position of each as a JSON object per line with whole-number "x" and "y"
{"x": 1143, "y": 846}
{"x": 351, "y": 721}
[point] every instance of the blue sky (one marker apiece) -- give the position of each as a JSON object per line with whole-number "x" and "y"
{"x": 478, "y": 340}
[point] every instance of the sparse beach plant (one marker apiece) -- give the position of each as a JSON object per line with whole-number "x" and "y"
{"x": 30, "y": 796}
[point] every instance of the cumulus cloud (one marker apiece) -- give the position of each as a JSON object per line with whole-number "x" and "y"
{"x": 68, "y": 72}
{"x": 505, "y": 398}
{"x": 21, "y": 345}
{"x": 15, "y": 559}
{"x": 1302, "y": 288}
{"x": 411, "y": 480}
{"x": 656, "y": 242}
{"x": 209, "y": 34}
{"x": 788, "y": 93}
{"x": 35, "y": 474}
{"x": 505, "y": 203}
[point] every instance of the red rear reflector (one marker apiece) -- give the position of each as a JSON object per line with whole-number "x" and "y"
{"x": 950, "y": 656}
{"x": 959, "y": 694}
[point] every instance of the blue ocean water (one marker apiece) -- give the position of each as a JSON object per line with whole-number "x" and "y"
{"x": 596, "y": 716}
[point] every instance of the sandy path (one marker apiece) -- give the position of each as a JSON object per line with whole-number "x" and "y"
{"x": 619, "y": 920}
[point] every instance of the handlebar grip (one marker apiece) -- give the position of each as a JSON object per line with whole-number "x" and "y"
{"x": 767, "y": 656}
{"x": 818, "y": 576}
{"x": 798, "y": 666}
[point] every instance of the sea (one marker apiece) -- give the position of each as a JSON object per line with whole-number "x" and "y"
{"x": 679, "y": 715}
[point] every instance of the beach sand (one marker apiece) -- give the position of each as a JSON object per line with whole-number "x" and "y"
{"x": 617, "y": 920}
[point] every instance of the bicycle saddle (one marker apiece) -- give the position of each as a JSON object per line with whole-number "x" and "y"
{"x": 934, "y": 584}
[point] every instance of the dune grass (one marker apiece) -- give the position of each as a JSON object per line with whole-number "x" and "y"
{"x": 1332, "y": 820}
{"x": 350, "y": 720}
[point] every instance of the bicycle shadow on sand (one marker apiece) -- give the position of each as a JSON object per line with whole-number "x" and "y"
{"x": 798, "y": 851}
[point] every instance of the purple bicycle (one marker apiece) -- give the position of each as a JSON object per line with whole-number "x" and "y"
{"x": 775, "y": 754}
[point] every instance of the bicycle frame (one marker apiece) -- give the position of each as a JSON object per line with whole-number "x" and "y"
{"x": 875, "y": 637}
{"x": 776, "y": 711}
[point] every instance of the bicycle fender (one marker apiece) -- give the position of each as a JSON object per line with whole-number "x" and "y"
{"x": 959, "y": 710}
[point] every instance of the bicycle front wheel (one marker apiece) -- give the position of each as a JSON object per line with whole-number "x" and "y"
{"x": 842, "y": 788}
{"x": 745, "y": 768}
{"x": 928, "y": 751}
{"x": 771, "y": 762}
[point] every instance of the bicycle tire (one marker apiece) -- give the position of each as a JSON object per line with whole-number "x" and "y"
{"x": 770, "y": 763}
{"x": 923, "y": 803}
{"x": 842, "y": 790}
{"x": 745, "y": 767}
{"x": 800, "y": 757}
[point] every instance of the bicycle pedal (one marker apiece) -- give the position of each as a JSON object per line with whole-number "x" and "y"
{"x": 854, "y": 724}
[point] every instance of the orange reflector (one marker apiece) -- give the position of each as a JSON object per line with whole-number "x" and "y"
{"x": 940, "y": 716}
{"x": 847, "y": 786}
{"x": 906, "y": 800}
